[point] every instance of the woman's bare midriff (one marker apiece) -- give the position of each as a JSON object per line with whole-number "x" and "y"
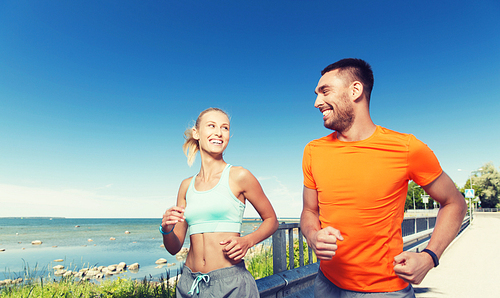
{"x": 206, "y": 252}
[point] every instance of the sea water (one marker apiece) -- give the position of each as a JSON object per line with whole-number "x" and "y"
{"x": 87, "y": 242}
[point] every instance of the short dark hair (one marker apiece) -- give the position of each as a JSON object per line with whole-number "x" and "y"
{"x": 355, "y": 70}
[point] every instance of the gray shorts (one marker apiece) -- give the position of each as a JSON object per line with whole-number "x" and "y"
{"x": 230, "y": 282}
{"x": 323, "y": 288}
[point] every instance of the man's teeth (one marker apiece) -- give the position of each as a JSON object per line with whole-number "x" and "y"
{"x": 326, "y": 112}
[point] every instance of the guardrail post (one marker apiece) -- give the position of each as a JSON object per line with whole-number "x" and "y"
{"x": 279, "y": 251}
{"x": 309, "y": 254}
{"x": 301, "y": 248}
{"x": 291, "y": 252}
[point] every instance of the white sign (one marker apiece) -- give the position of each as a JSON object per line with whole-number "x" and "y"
{"x": 425, "y": 199}
{"x": 469, "y": 193}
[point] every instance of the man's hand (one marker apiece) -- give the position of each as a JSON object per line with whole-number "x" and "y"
{"x": 324, "y": 242}
{"x": 412, "y": 267}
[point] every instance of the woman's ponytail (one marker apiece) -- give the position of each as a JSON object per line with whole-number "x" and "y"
{"x": 190, "y": 146}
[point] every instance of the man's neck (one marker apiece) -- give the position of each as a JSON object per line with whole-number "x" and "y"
{"x": 357, "y": 132}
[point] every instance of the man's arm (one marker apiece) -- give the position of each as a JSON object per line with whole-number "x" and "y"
{"x": 322, "y": 241}
{"x": 413, "y": 267}
{"x": 451, "y": 212}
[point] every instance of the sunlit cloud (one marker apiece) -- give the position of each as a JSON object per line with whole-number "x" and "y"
{"x": 21, "y": 201}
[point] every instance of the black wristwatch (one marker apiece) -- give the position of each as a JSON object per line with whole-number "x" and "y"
{"x": 433, "y": 256}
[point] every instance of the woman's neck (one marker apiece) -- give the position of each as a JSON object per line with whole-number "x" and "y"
{"x": 211, "y": 167}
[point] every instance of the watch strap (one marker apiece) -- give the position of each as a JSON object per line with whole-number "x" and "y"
{"x": 433, "y": 256}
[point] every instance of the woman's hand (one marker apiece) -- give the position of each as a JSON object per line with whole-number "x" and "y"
{"x": 236, "y": 247}
{"x": 171, "y": 217}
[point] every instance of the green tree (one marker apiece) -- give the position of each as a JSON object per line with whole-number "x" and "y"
{"x": 415, "y": 191}
{"x": 488, "y": 186}
{"x": 475, "y": 185}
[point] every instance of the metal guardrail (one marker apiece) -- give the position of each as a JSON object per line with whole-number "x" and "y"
{"x": 487, "y": 210}
{"x": 286, "y": 231}
{"x": 279, "y": 247}
{"x": 298, "y": 282}
{"x": 414, "y": 225}
{"x": 418, "y": 241}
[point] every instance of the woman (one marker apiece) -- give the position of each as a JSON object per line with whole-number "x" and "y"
{"x": 211, "y": 204}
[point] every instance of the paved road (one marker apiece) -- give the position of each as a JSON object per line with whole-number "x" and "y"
{"x": 470, "y": 266}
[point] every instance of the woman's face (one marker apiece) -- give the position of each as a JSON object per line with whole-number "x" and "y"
{"x": 213, "y": 132}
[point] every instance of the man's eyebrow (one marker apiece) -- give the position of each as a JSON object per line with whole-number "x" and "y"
{"x": 320, "y": 89}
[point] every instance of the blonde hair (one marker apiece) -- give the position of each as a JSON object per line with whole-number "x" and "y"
{"x": 191, "y": 145}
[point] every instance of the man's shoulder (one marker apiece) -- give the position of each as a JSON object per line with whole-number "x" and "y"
{"x": 395, "y": 135}
{"x": 387, "y": 131}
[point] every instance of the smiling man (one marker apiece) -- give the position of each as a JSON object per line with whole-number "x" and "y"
{"x": 355, "y": 185}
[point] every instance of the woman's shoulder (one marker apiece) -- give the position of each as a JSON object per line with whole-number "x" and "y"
{"x": 185, "y": 183}
{"x": 240, "y": 174}
{"x": 187, "y": 180}
{"x": 239, "y": 171}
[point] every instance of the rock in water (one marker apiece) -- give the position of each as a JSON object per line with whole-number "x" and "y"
{"x": 59, "y": 272}
{"x": 182, "y": 254}
{"x": 121, "y": 266}
{"x": 161, "y": 261}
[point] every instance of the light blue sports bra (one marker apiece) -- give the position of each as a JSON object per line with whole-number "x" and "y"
{"x": 214, "y": 210}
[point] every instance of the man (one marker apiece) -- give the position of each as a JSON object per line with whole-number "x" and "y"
{"x": 355, "y": 185}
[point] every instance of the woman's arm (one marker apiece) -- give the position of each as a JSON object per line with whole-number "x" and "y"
{"x": 174, "y": 217}
{"x": 248, "y": 187}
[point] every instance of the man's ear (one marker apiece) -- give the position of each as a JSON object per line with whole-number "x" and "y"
{"x": 356, "y": 90}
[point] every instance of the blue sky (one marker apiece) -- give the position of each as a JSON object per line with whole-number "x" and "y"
{"x": 95, "y": 95}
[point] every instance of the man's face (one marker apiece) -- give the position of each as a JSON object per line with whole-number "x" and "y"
{"x": 334, "y": 103}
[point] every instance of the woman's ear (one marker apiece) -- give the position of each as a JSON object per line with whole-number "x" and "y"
{"x": 196, "y": 136}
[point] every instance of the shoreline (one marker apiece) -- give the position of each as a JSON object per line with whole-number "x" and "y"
{"x": 87, "y": 242}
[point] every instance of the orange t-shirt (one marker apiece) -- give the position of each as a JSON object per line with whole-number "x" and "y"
{"x": 362, "y": 190}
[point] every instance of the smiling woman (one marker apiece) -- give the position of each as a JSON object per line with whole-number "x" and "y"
{"x": 211, "y": 204}
{"x": 191, "y": 146}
